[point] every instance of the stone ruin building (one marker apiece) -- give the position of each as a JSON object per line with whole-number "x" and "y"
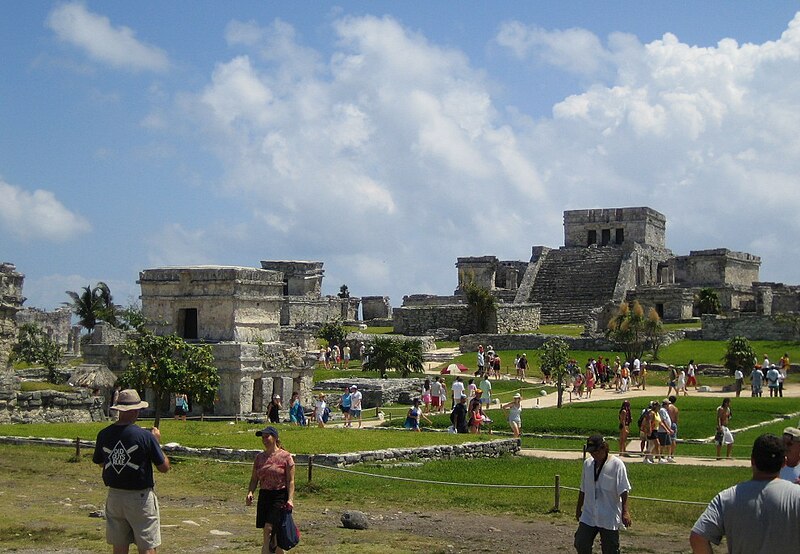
{"x": 260, "y": 323}
{"x": 11, "y": 300}
{"x": 609, "y": 255}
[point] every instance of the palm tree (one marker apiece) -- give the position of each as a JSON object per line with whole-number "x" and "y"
{"x": 93, "y": 305}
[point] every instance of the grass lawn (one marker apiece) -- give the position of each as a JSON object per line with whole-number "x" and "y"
{"x": 303, "y": 440}
{"x": 36, "y": 515}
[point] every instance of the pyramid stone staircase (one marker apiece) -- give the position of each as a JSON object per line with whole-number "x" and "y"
{"x": 570, "y": 282}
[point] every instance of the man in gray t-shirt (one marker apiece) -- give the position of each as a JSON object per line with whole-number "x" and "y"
{"x": 757, "y": 516}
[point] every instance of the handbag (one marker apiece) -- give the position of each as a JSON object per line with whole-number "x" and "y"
{"x": 288, "y": 533}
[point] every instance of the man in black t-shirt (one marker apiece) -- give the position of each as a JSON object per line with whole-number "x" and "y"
{"x": 127, "y": 454}
{"x": 458, "y": 417}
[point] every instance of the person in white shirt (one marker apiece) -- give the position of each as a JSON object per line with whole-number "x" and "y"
{"x": 355, "y": 404}
{"x": 603, "y": 499}
{"x": 458, "y": 389}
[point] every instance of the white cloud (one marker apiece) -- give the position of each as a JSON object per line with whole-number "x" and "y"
{"x": 175, "y": 245}
{"x": 576, "y": 50}
{"x": 38, "y": 215}
{"x": 368, "y": 161}
{"x": 117, "y": 46}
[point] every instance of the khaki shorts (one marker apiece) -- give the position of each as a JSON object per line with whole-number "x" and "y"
{"x": 133, "y": 517}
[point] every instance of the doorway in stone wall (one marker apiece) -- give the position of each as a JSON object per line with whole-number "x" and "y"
{"x": 258, "y": 395}
{"x": 187, "y": 323}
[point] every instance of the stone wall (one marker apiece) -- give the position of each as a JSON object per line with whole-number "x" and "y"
{"x": 642, "y": 225}
{"x": 518, "y": 317}
{"x": 11, "y": 300}
{"x": 750, "y": 326}
{"x": 56, "y": 324}
{"x": 375, "y": 392}
{"x": 416, "y": 320}
{"x": 676, "y": 303}
{"x": 716, "y": 267}
{"x": 49, "y": 406}
{"x": 489, "y": 449}
{"x": 302, "y": 310}
{"x": 376, "y": 307}
{"x": 417, "y": 300}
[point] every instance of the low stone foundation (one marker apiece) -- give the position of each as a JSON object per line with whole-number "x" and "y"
{"x": 374, "y": 392}
{"x": 488, "y": 449}
{"x": 48, "y": 406}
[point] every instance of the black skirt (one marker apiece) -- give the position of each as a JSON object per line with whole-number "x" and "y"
{"x": 270, "y": 507}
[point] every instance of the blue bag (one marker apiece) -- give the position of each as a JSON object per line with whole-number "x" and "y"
{"x": 288, "y": 533}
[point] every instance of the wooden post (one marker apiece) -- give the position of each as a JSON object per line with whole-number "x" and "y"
{"x": 77, "y": 448}
{"x": 310, "y": 467}
{"x": 557, "y": 506}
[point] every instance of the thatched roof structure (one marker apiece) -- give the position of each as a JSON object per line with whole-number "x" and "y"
{"x": 93, "y": 376}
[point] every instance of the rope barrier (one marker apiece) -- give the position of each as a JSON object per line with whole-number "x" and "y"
{"x": 479, "y": 485}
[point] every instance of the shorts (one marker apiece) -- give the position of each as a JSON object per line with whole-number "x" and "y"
{"x": 344, "y": 410}
{"x": 486, "y": 401}
{"x": 642, "y": 435}
{"x": 411, "y": 423}
{"x": 180, "y": 411}
{"x": 724, "y": 436}
{"x": 133, "y": 517}
{"x": 436, "y": 401}
{"x": 270, "y": 507}
{"x": 674, "y": 432}
{"x": 664, "y": 439}
{"x": 653, "y": 436}
{"x": 426, "y": 398}
{"x": 355, "y": 413}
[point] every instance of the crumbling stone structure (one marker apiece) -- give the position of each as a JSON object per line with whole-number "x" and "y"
{"x": 11, "y": 300}
{"x": 609, "y": 255}
{"x": 56, "y": 324}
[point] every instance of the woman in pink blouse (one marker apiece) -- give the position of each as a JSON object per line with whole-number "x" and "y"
{"x": 273, "y": 474}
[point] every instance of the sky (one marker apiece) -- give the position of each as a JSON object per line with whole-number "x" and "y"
{"x": 386, "y": 139}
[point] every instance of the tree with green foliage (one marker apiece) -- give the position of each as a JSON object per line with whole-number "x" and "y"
{"x": 482, "y": 305}
{"x": 739, "y": 355}
{"x": 131, "y": 318}
{"x": 404, "y": 356}
{"x": 333, "y": 332}
{"x": 168, "y": 364}
{"x": 33, "y": 346}
{"x": 93, "y": 305}
{"x": 654, "y": 331}
{"x": 627, "y": 329}
{"x": 708, "y": 301}
{"x": 343, "y": 292}
{"x": 554, "y": 355}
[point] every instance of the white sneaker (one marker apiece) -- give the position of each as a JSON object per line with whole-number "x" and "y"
{"x": 663, "y": 461}
{"x": 648, "y": 461}
{"x": 671, "y": 460}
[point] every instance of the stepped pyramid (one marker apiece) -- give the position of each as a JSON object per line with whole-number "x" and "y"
{"x": 572, "y": 281}
{"x": 606, "y": 252}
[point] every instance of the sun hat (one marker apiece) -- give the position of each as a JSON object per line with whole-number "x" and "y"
{"x": 277, "y": 397}
{"x": 518, "y": 395}
{"x": 793, "y": 432}
{"x": 353, "y": 387}
{"x": 269, "y": 430}
{"x": 129, "y": 399}
{"x": 594, "y": 443}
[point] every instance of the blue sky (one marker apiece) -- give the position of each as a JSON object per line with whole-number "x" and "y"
{"x": 386, "y": 139}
